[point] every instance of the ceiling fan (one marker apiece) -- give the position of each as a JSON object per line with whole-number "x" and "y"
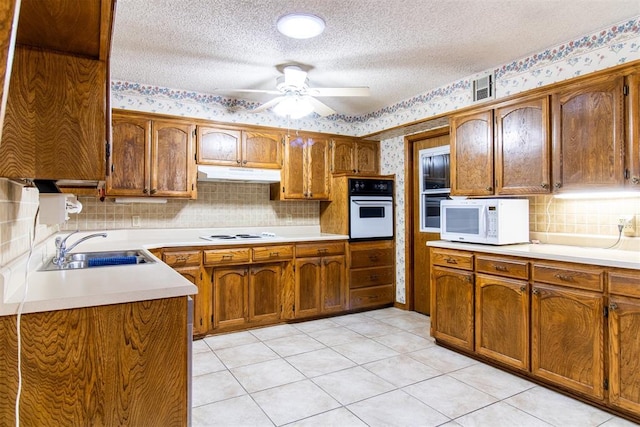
{"x": 296, "y": 99}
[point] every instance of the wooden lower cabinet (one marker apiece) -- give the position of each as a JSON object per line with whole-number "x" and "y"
{"x": 452, "y": 301}
{"x": 567, "y": 338}
{"x": 264, "y": 293}
{"x": 112, "y": 365}
{"x": 200, "y": 300}
{"x": 502, "y": 320}
{"x": 371, "y": 274}
{"x": 320, "y": 285}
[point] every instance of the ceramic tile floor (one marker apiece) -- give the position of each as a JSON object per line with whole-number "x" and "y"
{"x": 378, "y": 368}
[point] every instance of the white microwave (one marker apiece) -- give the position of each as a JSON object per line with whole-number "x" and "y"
{"x": 489, "y": 221}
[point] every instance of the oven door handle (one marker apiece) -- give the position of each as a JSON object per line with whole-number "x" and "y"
{"x": 372, "y": 202}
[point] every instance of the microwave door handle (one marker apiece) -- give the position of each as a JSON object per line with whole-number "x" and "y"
{"x": 484, "y": 218}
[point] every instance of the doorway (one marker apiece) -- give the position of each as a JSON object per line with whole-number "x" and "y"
{"x": 417, "y": 253}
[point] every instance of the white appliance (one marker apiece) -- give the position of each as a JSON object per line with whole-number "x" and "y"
{"x": 434, "y": 186}
{"x": 224, "y": 173}
{"x": 489, "y": 221}
{"x": 370, "y": 209}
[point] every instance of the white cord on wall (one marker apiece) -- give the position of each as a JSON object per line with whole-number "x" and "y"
{"x": 32, "y": 236}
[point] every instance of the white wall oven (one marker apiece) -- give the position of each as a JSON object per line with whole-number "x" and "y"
{"x": 370, "y": 209}
{"x": 434, "y": 186}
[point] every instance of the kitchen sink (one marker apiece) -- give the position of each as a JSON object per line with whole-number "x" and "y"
{"x": 80, "y": 260}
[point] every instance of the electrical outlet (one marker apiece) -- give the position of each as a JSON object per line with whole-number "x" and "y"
{"x": 628, "y": 224}
{"x": 135, "y": 221}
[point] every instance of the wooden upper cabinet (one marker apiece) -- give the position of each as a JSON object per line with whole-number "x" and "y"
{"x": 632, "y": 166}
{"x": 472, "y": 154}
{"x": 231, "y": 147}
{"x": 354, "y": 156}
{"x": 151, "y": 157}
{"x": 305, "y": 172}
{"x": 588, "y": 135}
{"x": 523, "y": 147}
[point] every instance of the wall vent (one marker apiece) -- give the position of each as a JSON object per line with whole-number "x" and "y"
{"x": 483, "y": 88}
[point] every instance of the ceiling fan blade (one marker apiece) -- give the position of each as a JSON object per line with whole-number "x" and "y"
{"x": 270, "y": 92}
{"x": 339, "y": 91}
{"x": 294, "y": 76}
{"x": 320, "y": 107}
{"x": 272, "y": 103}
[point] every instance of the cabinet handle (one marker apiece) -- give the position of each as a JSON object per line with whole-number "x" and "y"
{"x": 244, "y": 162}
{"x": 557, "y": 185}
{"x": 182, "y": 258}
{"x": 373, "y": 258}
{"x": 323, "y": 250}
{"x": 310, "y": 194}
{"x": 238, "y": 161}
{"x": 451, "y": 261}
{"x": 501, "y": 268}
{"x": 523, "y": 288}
{"x": 544, "y": 185}
{"x": 353, "y": 170}
{"x": 274, "y": 254}
{"x": 564, "y": 277}
{"x": 613, "y": 306}
{"x": 373, "y": 277}
{"x": 489, "y": 188}
{"x": 154, "y": 191}
{"x": 635, "y": 179}
{"x": 535, "y": 291}
{"x": 145, "y": 191}
{"x": 229, "y": 256}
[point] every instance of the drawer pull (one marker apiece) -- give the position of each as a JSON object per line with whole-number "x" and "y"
{"x": 373, "y": 258}
{"x": 228, "y": 256}
{"x": 323, "y": 250}
{"x": 564, "y": 277}
{"x": 523, "y": 288}
{"x": 451, "y": 261}
{"x": 274, "y": 254}
{"x": 501, "y": 268}
{"x": 181, "y": 258}
{"x": 373, "y": 277}
{"x": 535, "y": 291}
{"x": 613, "y": 306}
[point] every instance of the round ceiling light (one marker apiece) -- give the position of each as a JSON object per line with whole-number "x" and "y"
{"x": 300, "y": 25}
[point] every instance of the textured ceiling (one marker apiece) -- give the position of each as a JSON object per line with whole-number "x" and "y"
{"x": 399, "y": 48}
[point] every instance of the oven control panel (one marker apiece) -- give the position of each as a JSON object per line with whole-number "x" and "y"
{"x": 370, "y": 187}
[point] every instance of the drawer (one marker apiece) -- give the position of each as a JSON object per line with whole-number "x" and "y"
{"x": 368, "y": 297}
{"x": 319, "y": 249}
{"x": 453, "y": 259}
{"x": 570, "y": 275}
{"x": 371, "y": 257}
{"x": 371, "y": 277}
{"x": 502, "y": 267}
{"x": 625, "y": 282}
{"x": 272, "y": 253}
{"x": 227, "y": 256}
{"x": 182, "y": 258}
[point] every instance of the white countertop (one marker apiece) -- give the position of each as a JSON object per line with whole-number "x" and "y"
{"x": 577, "y": 254}
{"x": 58, "y": 290}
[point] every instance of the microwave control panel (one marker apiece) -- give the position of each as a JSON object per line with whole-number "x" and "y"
{"x": 492, "y": 221}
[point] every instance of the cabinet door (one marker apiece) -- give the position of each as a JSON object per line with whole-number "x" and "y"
{"x": 334, "y": 284}
{"x": 502, "y": 320}
{"x": 173, "y": 164}
{"x": 218, "y": 146}
{"x": 367, "y": 157}
{"x": 308, "y": 276}
{"x": 633, "y": 138}
{"x": 588, "y": 136}
{"x": 130, "y": 157}
{"x": 523, "y": 148}
{"x": 262, "y": 149}
{"x": 452, "y": 307}
{"x": 624, "y": 348}
{"x": 318, "y": 169}
{"x": 567, "y": 333}
{"x": 230, "y": 297}
{"x": 342, "y": 156}
{"x": 200, "y": 300}
{"x": 264, "y": 293}
{"x": 293, "y": 183}
{"x": 472, "y": 154}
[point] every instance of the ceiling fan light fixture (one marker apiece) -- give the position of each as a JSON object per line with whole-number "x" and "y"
{"x": 300, "y": 25}
{"x": 294, "y": 107}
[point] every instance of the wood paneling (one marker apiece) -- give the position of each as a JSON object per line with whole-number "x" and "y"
{"x": 264, "y": 292}
{"x": 571, "y": 275}
{"x": 230, "y": 296}
{"x": 632, "y": 154}
{"x": 624, "y": 348}
{"x": 130, "y": 157}
{"x": 122, "y": 364}
{"x": 173, "y": 171}
{"x": 262, "y": 149}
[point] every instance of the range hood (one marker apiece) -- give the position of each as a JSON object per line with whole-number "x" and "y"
{"x": 223, "y": 173}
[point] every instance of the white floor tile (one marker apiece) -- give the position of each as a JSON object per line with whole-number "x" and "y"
{"x": 214, "y": 387}
{"x": 295, "y": 344}
{"x": 493, "y": 381}
{"x": 352, "y": 385}
{"x": 406, "y": 322}
{"x": 245, "y": 354}
{"x": 372, "y": 328}
{"x": 315, "y": 325}
{"x": 335, "y": 336}
{"x": 449, "y": 396}
{"x": 402, "y": 370}
{"x": 261, "y": 376}
{"x": 396, "y": 408}
{"x": 404, "y": 342}
{"x": 500, "y": 415}
{"x": 340, "y": 417}
{"x": 273, "y": 332}
{"x": 442, "y": 359}
{"x": 234, "y": 339}
{"x": 235, "y": 412}
{"x": 365, "y": 350}
{"x": 204, "y": 363}
{"x": 199, "y": 346}
{"x": 293, "y": 402}
{"x": 320, "y": 362}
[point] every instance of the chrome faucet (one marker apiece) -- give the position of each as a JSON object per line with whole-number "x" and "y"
{"x": 61, "y": 245}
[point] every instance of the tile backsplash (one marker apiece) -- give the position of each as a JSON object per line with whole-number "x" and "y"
{"x": 219, "y": 204}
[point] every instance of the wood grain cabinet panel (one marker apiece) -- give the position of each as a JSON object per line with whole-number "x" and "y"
{"x": 272, "y": 253}
{"x": 567, "y": 338}
{"x": 120, "y": 364}
{"x": 319, "y": 249}
{"x": 624, "y": 348}
{"x": 320, "y": 282}
{"x": 173, "y": 170}
{"x": 472, "y": 154}
{"x": 230, "y": 296}
{"x": 452, "y": 307}
{"x": 201, "y": 300}
{"x": 182, "y": 258}
{"x": 453, "y": 259}
{"x": 262, "y": 149}
{"x": 264, "y": 293}
{"x": 371, "y": 273}
{"x": 502, "y": 320}
{"x": 523, "y": 147}
{"x": 130, "y": 156}
{"x": 632, "y": 154}
{"x": 588, "y": 135}
{"x": 354, "y": 156}
{"x": 236, "y": 147}
{"x": 307, "y": 286}
{"x": 570, "y": 275}
{"x": 517, "y": 269}
{"x": 213, "y": 257}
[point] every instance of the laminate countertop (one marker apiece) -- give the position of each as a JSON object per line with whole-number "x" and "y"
{"x": 576, "y": 254}
{"x": 58, "y": 290}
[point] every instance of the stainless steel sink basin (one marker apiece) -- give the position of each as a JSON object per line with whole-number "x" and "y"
{"x": 81, "y": 260}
